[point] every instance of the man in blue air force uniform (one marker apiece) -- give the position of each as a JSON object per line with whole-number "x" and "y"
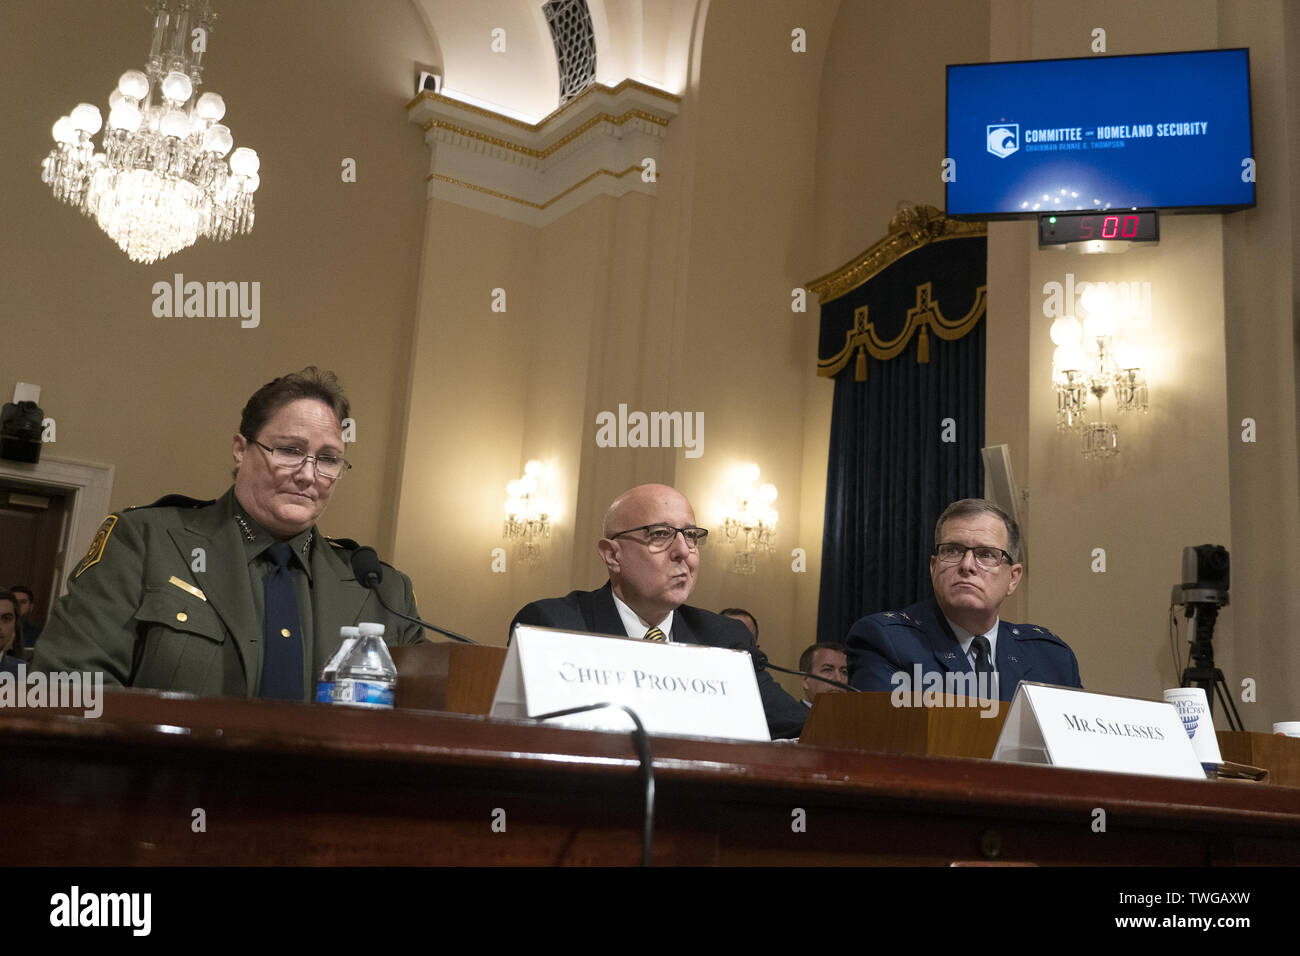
{"x": 975, "y": 566}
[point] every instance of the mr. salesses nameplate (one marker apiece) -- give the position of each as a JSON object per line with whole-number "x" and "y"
{"x": 1072, "y": 728}
{"x": 679, "y": 689}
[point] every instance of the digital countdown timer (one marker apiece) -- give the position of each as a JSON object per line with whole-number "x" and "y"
{"x": 1058, "y": 228}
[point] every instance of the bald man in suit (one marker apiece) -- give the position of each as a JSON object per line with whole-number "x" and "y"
{"x": 651, "y": 549}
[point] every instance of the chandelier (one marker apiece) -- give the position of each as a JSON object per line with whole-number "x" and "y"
{"x": 749, "y": 525}
{"x": 527, "y": 514}
{"x": 161, "y": 179}
{"x": 1087, "y": 361}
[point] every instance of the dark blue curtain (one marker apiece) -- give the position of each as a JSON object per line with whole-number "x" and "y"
{"x": 895, "y": 460}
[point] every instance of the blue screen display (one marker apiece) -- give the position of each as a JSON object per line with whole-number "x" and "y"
{"x": 1168, "y": 131}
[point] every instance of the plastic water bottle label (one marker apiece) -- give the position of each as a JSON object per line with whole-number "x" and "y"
{"x": 363, "y": 693}
{"x": 325, "y": 692}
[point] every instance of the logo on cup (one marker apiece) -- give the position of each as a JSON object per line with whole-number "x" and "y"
{"x": 1190, "y": 712}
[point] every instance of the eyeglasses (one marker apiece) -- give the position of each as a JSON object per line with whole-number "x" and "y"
{"x": 327, "y": 466}
{"x": 986, "y": 558}
{"x": 660, "y": 537}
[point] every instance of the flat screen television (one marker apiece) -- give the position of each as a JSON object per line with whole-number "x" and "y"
{"x": 1157, "y": 131}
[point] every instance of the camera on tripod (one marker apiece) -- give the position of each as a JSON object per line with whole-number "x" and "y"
{"x": 1205, "y": 577}
{"x": 1204, "y": 590}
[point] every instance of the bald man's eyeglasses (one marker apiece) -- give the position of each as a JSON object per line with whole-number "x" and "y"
{"x": 660, "y": 537}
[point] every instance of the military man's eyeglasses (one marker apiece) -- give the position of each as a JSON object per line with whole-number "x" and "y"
{"x": 660, "y": 537}
{"x": 986, "y": 558}
{"x": 291, "y": 459}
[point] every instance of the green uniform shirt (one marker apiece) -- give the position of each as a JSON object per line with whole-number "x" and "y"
{"x": 169, "y": 596}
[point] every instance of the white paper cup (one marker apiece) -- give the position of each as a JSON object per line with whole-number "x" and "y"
{"x": 1287, "y": 728}
{"x": 1194, "y": 710}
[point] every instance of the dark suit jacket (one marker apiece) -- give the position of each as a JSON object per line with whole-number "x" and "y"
{"x": 125, "y": 615}
{"x": 884, "y": 644}
{"x": 594, "y": 612}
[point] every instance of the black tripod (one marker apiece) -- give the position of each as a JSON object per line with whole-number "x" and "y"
{"x": 1203, "y": 673}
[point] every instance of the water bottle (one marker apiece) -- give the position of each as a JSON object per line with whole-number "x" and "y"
{"x": 366, "y": 676}
{"x": 328, "y": 676}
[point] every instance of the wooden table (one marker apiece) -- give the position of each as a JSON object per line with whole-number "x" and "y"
{"x": 280, "y": 783}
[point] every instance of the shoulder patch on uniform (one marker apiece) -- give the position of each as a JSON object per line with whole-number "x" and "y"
{"x": 96, "y": 546}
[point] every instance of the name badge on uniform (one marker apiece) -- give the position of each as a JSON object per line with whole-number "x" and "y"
{"x": 187, "y": 587}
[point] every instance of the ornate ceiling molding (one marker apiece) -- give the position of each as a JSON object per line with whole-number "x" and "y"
{"x": 594, "y": 145}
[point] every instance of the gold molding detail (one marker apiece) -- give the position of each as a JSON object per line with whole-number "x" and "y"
{"x": 543, "y": 153}
{"x": 922, "y": 317}
{"x": 910, "y": 229}
{"x": 554, "y": 114}
{"x": 526, "y": 202}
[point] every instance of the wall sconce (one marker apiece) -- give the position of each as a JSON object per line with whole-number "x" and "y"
{"x": 1089, "y": 360}
{"x": 749, "y": 525}
{"x": 527, "y": 513}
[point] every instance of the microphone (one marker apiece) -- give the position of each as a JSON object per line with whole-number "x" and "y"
{"x": 368, "y": 571}
{"x": 761, "y": 661}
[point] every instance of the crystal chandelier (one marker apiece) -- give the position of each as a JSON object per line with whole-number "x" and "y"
{"x": 1100, "y": 367}
{"x": 161, "y": 179}
{"x": 750, "y": 525}
{"x": 527, "y": 519}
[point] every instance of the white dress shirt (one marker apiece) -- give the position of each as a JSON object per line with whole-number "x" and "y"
{"x": 635, "y": 627}
{"x": 967, "y": 641}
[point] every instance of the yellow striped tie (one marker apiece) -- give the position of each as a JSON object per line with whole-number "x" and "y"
{"x": 654, "y": 634}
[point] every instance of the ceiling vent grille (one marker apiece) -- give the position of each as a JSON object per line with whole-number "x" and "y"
{"x": 575, "y": 45}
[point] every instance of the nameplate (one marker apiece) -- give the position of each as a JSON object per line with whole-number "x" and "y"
{"x": 684, "y": 690}
{"x": 1065, "y": 727}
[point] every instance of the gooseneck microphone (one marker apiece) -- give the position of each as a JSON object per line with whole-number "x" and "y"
{"x": 761, "y": 661}
{"x": 369, "y": 572}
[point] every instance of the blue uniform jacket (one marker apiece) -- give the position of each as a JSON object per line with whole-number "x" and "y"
{"x": 890, "y": 642}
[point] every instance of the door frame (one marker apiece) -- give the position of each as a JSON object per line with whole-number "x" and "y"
{"x": 91, "y": 485}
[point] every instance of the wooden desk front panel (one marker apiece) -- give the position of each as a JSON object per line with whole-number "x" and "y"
{"x": 287, "y": 784}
